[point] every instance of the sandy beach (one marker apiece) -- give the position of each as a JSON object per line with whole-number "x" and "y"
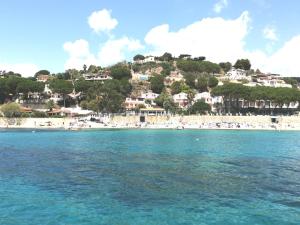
{"x": 157, "y": 122}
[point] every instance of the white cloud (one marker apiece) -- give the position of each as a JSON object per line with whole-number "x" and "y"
{"x": 220, "y": 5}
{"x": 102, "y": 21}
{"x": 285, "y": 60}
{"x": 269, "y": 33}
{"x": 112, "y": 51}
{"x": 216, "y": 38}
{"x": 25, "y": 69}
{"x": 79, "y": 54}
{"x": 224, "y": 40}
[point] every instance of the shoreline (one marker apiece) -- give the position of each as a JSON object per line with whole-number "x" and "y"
{"x": 289, "y": 123}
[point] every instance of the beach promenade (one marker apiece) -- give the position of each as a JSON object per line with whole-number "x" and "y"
{"x": 159, "y": 122}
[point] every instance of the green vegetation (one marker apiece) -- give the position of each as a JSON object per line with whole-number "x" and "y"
{"x": 11, "y": 110}
{"x": 243, "y": 64}
{"x": 212, "y": 82}
{"x": 198, "y": 66}
{"x": 226, "y": 66}
{"x": 108, "y": 95}
{"x": 42, "y": 72}
{"x": 157, "y": 83}
{"x": 120, "y": 71}
{"x": 199, "y": 107}
{"x": 165, "y": 101}
{"x": 138, "y": 57}
{"x": 62, "y": 87}
{"x": 233, "y": 93}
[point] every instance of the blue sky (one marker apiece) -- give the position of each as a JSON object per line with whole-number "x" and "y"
{"x": 57, "y": 35}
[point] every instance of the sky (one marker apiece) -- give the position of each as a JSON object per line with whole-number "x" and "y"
{"x": 57, "y": 35}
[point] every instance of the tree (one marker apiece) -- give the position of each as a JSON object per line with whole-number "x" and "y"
{"x": 42, "y": 72}
{"x": 232, "y": 93}
{"x": 106, "y": 100}
{"x": 138, "y": 57}
{"x": 243, "y": 64}
{"x": 84, "y": 68}
{"x": 12, "y": 84}
{"x": 212, "y": 82}
{"x": 82, "y": 85}
{"x": 50, "y": 105}
{"x": 167, "y": 68}
{"x": 166, "y": 57}
{"x": 120, "y": 71}
{"x": 176, "y": 87}
{"x": 3, "y": 90}
{"x": 93, "y": 69}
{"x": 201, "y": 84}
{"x": 10, "y": 73}
{"x": 157, "y": 83}
{"x": 190, "y": 79}
{"x": 11, "y": 110}
{"x": 291, "y": 81}
{"x": 226, "y": 66}
{"x": 166, "y": 101}
{"x": 199, "y": 107}
{"x": 198, "y": 66}
{"x": 62, "y": 76}
{"x": 190, "y": 96}
{"x": 62, "y": 87}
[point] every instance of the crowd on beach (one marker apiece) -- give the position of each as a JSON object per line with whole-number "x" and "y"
{"x": 239, "y": 123}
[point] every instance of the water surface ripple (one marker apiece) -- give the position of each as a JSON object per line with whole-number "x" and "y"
{"x": 149, "y": 177}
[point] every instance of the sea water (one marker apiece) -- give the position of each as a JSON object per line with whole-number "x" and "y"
{"x": 149, "y": 177}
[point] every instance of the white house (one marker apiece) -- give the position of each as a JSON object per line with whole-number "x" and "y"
{"x": 97, "y": 77}
{"x": 149, "y": 59}
{"x": 273, "y": 83}
{"x": 42, "y": 78}
{"x": 205, "y": 96}
{"x": 133, "y": 103}
{"x": 149, "y": 95}
{"x": 181, "y": 99}
{"x": 237, "y": 74}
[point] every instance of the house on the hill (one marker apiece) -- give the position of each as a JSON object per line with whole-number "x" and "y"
{"x": 181, "y": 99}
{"x": 98, "y": 76}
{"x": 237, "y": 74}
{"x": 140, "y": 77}
{"x": 174, "y": 76}
{"x": 132, "y": 103}
{"x": 271, "y": 80}
{"x": 42, "y": 78}
{"x": 150, "y": 96}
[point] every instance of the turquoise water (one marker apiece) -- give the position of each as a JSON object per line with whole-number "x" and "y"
{"x": 149, "y": 177}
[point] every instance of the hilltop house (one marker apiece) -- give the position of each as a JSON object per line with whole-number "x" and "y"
{"x": 237, "y": 74}
{"x": 132, "y": 103}
{"x": 271, "y": 80}
{"x": 207, "y": 98}
{"x": 42, "y": 78}
{"x": 181, "y": 99}
{"x": 102, "y": 76}
{"x": 140, "y": 77}
{"x": 149, "y": 96}
{"x": 174, "y": 76}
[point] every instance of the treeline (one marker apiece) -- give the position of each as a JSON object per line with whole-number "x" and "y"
{"x": 233, "y": 93}
{"x": 198, "y": 66}
{"x": 12, "y": 86}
